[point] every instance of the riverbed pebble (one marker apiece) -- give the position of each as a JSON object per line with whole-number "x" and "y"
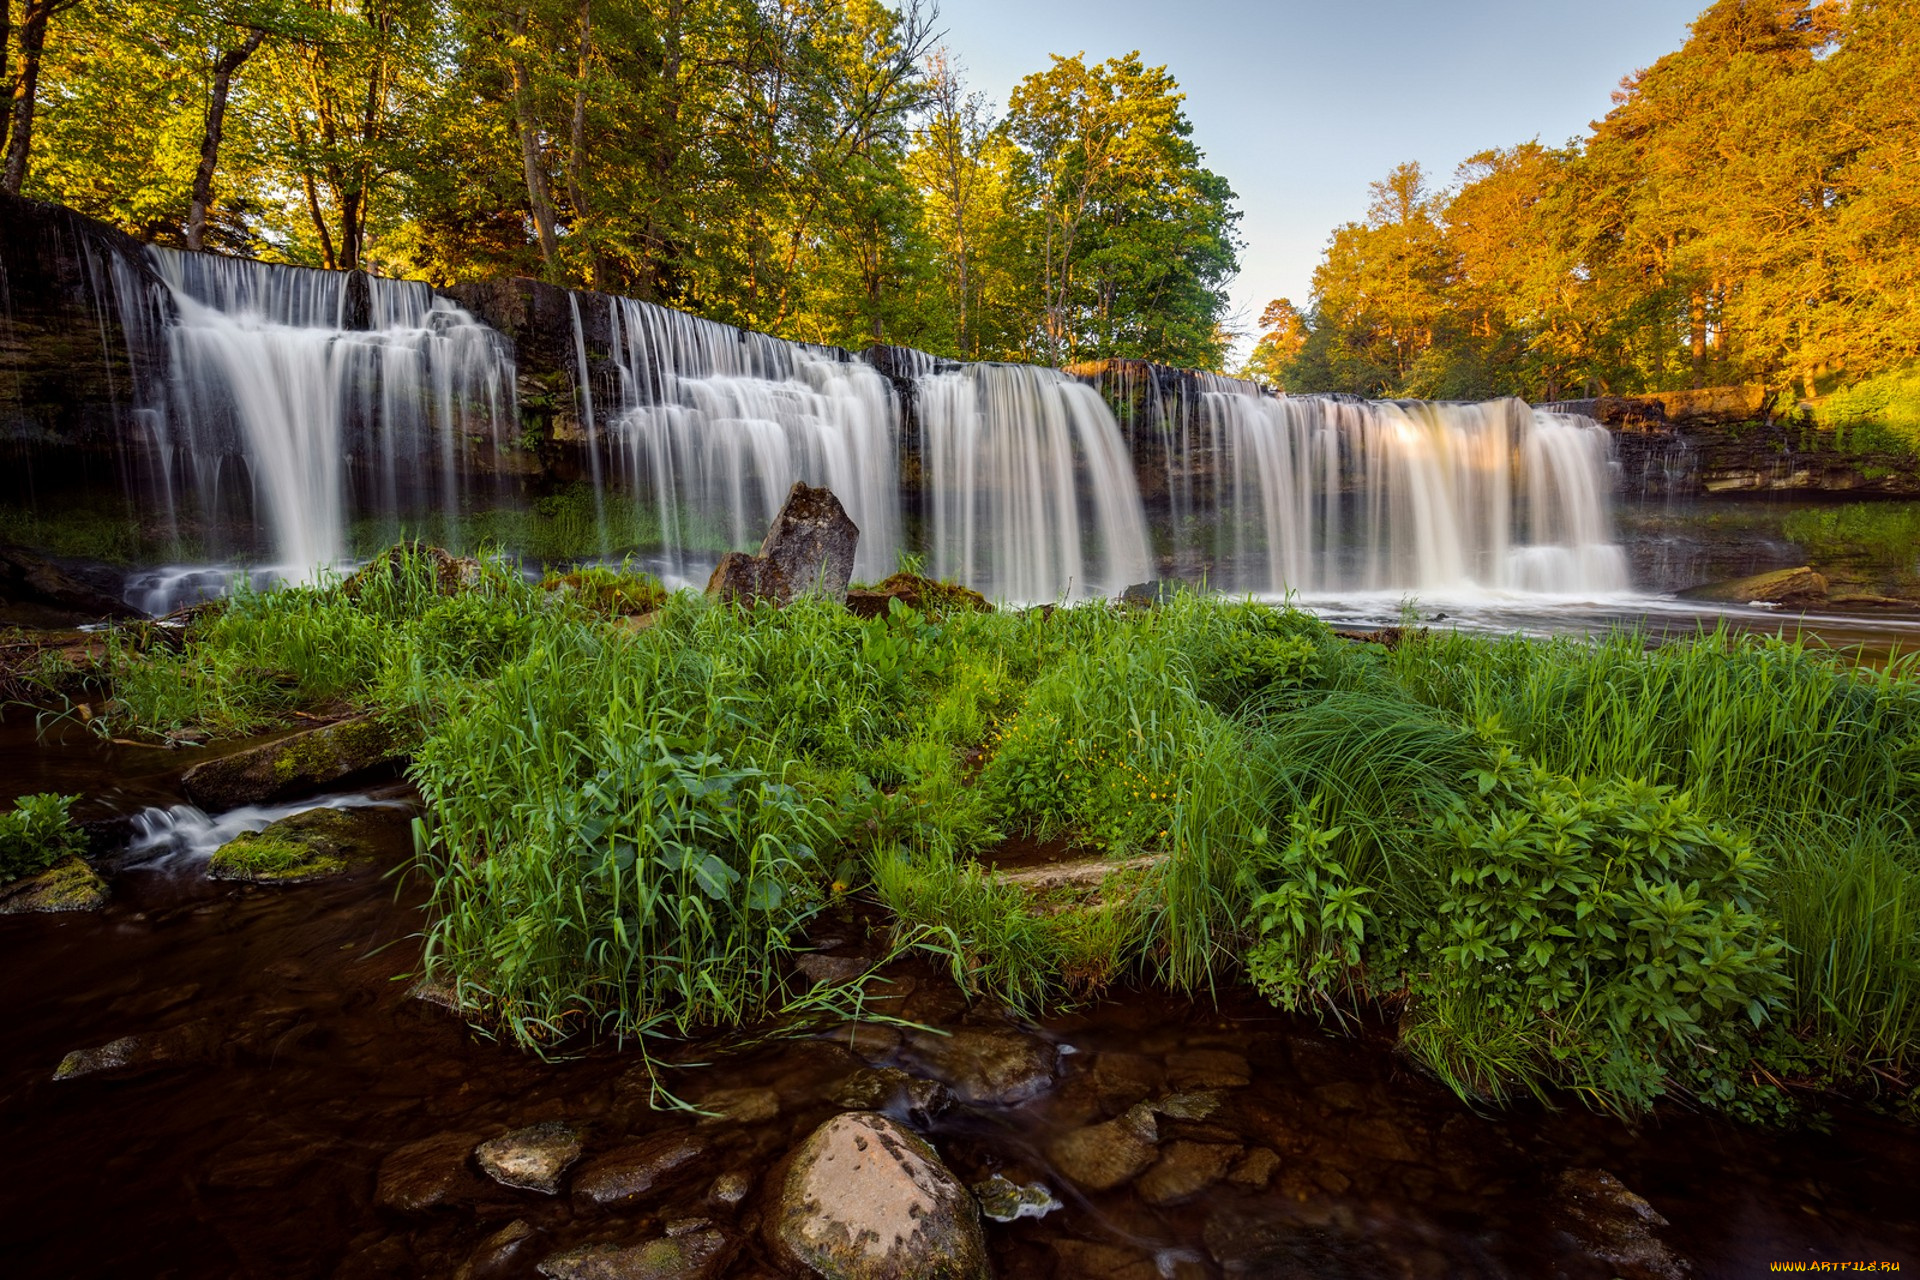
{"x": 633, "y": 1170}
{"x": 533, "y": 1158}
{"x": 993, "y": 1066}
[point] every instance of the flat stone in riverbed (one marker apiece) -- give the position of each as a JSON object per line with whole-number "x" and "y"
{"x": 532, "y": 1158}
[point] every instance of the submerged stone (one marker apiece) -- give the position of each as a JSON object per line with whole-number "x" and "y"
{"x": 740, "y": 1106}
{"x": 992, "y": 1066}
{"x": 314, "y": 845}
{"x": 1184, "y": 1170}
{"x": 429, "y": 1173}
{"x": 190, "y": 1042}
{"x": 865, "y": 1199}
{"x": 631, "y": 1171}
{"x": 532, "y": 1158}
{"x": 1102, "y": 1156}
{"x": 297, "y": 765}
{"x": 690, "y": 1256}
{"x": 68, "y": 885}
{"x": 1614, "y": 1225}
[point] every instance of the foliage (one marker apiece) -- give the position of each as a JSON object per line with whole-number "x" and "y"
{"x": 37, "y": 833}
{"x": 1744, "y": 214}
{"x": 1624, "y": 870}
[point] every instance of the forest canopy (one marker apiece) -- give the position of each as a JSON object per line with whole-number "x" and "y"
{"x": 1748, "y": 212}
{"x": 811, "y": 168}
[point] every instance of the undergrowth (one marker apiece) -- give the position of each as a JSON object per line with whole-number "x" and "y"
{"x": 1598, "y": 866}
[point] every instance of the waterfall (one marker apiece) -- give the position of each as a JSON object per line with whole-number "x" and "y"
{"x": 1319, "y": 494}
{"x": 715, "y": 424}
{"x": 272, "y": 369}
{"x": 1031, "y": 490}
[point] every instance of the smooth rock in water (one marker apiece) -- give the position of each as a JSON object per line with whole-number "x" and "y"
{"x": 864, "y": 1199}
{"x": 1089, "y": 1260}
{"x": 297, "y": 765}
{"x": 730, "y": 1188}
{"x": 316, "y": 845}
{"x": 631, "y": 1171}
{"x": 532, "y": 1158}
{"x": 37, "y": 583}
{"x": 1616, "y": 1226}
{"x": 1802, "y": 586}
{"x": 1255, "y": 1169}
{"x": 197, "y": 1041}
{"x": 1102, "y": 1156}
{"x": 1256, "y": 1241}
{"x": 693, "y": 1256}
{"x": 68, "y": 885}
{"x": 995, "y": 1067}
{"x": 740, "y": 1106}
{"x": 883, "y": 1088}
{"x": 493, "y": 1255}
{"x": 1122, "y": 1079}
{"x": 429, "y": 1173}
{"x": 1004, "y": 1200}
{"x": 1184, "y": 1170}
{"x": 1207, "y": 1069}
{"x": 811, "y": 542}
{"x": 743, "y": 579}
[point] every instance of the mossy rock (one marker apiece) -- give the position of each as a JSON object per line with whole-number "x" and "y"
{"x": 314, "y": 845}
{"x": 1802, "y": 586}
{"x": 294, "y": 766}
{"x": 67, "y": 885}
{"x": 928, "y": 596}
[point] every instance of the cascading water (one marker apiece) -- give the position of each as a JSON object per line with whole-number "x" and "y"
{"x": 1031, "y": 492}
{"x": 270, "y": 371}
{"x": 1318, "y": 494}
{"x": 716, "y": 424}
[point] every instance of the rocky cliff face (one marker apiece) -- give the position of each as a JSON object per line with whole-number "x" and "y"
{"x": 1734, "y": 440}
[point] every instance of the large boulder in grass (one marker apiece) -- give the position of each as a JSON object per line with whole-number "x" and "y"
{"x": 298, "y": 765}
{"x": 743, "y": 579}
{"x": 811, "y": 542}
{"x": 865, "y": 1199}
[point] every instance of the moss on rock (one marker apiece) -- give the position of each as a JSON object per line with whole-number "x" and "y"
{"x": 68, "y": 885}
{"x": 308, "y": 846}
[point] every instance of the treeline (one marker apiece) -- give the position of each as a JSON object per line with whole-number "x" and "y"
{"x": 811, "y": 168}
{"x": 1748, "y": 212}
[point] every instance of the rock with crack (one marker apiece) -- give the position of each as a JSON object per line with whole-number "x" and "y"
{"x": 995, "y": 1066}
{"x": 68, "y": 885}
{"x": 694, "y": 1255}
{"x": 1614, "y": 1225}
{"x": 865, "y": 1199}
{"x": 811, "y": 542}
{"x": 745, "y": 580}
{"x": 532, "y": 1158}
{"x": 296, "y": 765}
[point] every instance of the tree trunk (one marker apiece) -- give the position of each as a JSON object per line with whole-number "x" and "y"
{"x": 6, "y": 72}
{"x": 1697, "y": 324}
{"x": 223, "y": 70}
{"x": 597, "y": 276}
{"x": 539, "y": 199}
{"x": 33, "y": 38}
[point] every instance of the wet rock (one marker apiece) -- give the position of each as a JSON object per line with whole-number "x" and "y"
{"x": 629, "y": 1172}
{"x": 1259, "y": 1242}
{"x": 1004, "y": 1200}
{"x": 316, "y": 845}
{"x": 1148, "y": 595}
{"x": 743, "y": 579}
{"x": 864, "y": 1199}
{"x": 869, "y": 1040}
{"x": 916, "y": 592}
{"x": 693, "y": 1256}
{"x": 1343, "y": 1096}
{"x": 532, "y": 1158}
{"x": 1611, "y": 1223}
{"x": 496, "y": 1253}
{"x": 730, "y": 1189}
{"x": 1102, "y": 1156}
{"x": 740, "y": 1106}
{"x": 1255, "y": 1169}
{"x": 1184, "y": 1170}
{"x": 190, "y": 1042}
{"x": 829, "y": 970}
{"x": 1188, "y": 1106}
{"x": 1207, "y": 1069}
{"x": 811, "y": 543}
{"x": 68, "y": 885}
{"x": 39, "y": 584}
{"x": 883, "y": 1088}
{"x": 429, "y": 1173}
{"x": 1802, "y": 586}
{"x": 995, "y": 1067}
{"x": 297, "y": 765}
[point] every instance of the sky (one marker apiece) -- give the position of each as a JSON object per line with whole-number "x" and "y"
{"x": 1301, "y": 105}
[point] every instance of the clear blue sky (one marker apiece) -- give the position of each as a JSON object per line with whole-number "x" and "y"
{"x": 1301, "y": 105}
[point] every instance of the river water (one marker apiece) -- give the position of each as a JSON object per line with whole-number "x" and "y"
{"x": 294, "y": 1062}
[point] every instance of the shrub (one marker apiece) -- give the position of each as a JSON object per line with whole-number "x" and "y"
{"x": 36, "y": 834}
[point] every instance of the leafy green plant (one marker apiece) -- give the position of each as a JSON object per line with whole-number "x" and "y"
{"x": 37, "y": 833}
{"x": 1311, "y": 918}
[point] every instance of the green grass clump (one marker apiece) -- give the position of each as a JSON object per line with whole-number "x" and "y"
{"x": 37, "y": 833}
{"x": 1598, "y": 866}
